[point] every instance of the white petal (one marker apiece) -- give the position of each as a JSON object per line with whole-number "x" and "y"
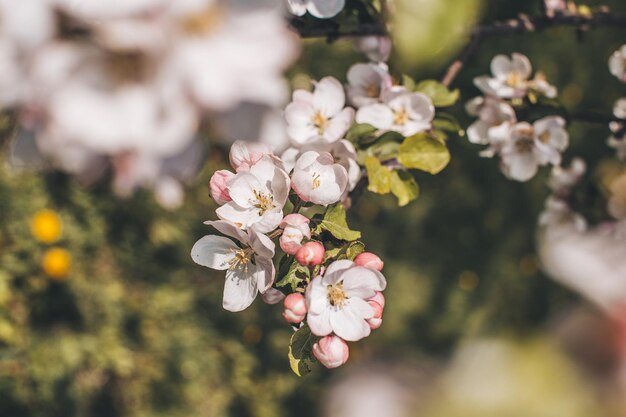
{"x": 316, "y": 296}
{"x": 521, "y": 166}
{"x": 329, "y": 97}
{"x": 297, "y": 7}
{"x": 349, "y": 322}
{"x": 339, "y": 125}
{"x": 358, "y": 280}
{"x": 261, "y": 244}
{"x": 320, "y": 323}
{"x": 378, "y": 115}
{"x": 264, "y": 273}
{"x": 229, "y": 229}
{"x": 213, "y": 251}
{"x": 240, "y": 289}
{"x": 501, "y": 66}
{"x": 241, "y": 189}
{"x": 241, "y": 217}
{"x": 325, "y": 9}
{"x": 521, "y": 64}
{"x": 336, "y": 267}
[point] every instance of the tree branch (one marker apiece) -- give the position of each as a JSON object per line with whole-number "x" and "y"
{"x": 527, "y": 24}
{"x": 332, "y": 31}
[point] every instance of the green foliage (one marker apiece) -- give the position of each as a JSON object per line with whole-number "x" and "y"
{"x": 349, "y": 251}
{"x": 300, "y": 352}
{"x": 404, "y": 187}
{"x": 378, "y": 176}
{"x": 423, "y": 152}
{"x": 334, "y": 222}
{"x": 291, "y": 273}
{"x": 441, "y": 95}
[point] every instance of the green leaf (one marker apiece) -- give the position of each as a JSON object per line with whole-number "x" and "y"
{"x": 448, "y": 123}
{"x": 354, "y": 249}
{"x": 334, "y": 222}
{"x": 359, "y": 133}
{"x": 408, "y": 82}
{"x": 300, "y": 352}
{"x": 423, "y": 152}
{"x": 291, "y": 273}
{"x": 438, "y": 93}
{"x": 379, "y": 176}
{"x": 404, "y": 187}
{"x": 347, "y": 251}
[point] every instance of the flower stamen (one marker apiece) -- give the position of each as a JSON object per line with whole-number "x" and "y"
{"x": 264, "y": 202}
{"x": 241, "y": 260}
{"x": 317, "y": 182}
{"x": 336, "y": 295}
{"x": 400, "y": 117}
{"x": 320, "y": 122}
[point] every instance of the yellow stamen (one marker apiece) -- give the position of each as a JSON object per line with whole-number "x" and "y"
{"x": 400, "y": 117}
{"x": 336, "y": 295}
{"x": 202, "y": 22}
{"x": 264, "y": 202}
{"x": 320, "y": 122}
{"x": 372, "y": 90}
{"x": 317, "y": 182}
{"x": 241, "y": 260}
{"x": 515, "y": 80}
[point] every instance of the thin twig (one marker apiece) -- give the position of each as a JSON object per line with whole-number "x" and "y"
{"x": 332, "y": 31}
{"x": 526, "y": 24}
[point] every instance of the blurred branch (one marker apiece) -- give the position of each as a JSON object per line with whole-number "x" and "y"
{"x": 593, "y": 118}
{"x": 528, "y": 24}
{"x": 332, "y": 31}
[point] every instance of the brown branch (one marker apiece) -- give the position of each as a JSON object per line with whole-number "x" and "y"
{"x": 527, "y": 24}
{"x": 332, "y": 31}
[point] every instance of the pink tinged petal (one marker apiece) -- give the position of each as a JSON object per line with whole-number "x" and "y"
{"x": 280, "y": 187}
{"x": 294, "y": 220}
{"x": 240, "y": 289}
{"x": 379, "y": 298}
{"x": 229, "y": 229}
{"x": 331, "y": 351}
{"x": 319, "y": 323}
{"x": 378, "y": 115}
{"x": 214, "y": 252}
{"x": 325, "y": 9}
{"x": 339, "y": 125}
{"x": 329, "y": 97}
{"x": 317, "y": 296}
{"x": 264, "y": 273}
{"x": 349, "y": 322}
{"x": 218, "y": 186}
{"x": 245, "y": 153}
{"x": 306, "y": 159}
{"x": 239, "y": 216}
{"x": 363, "y": 282}
{"x": 261, "y": 244}
{"x": 242, "y": 187}
{"x": 272, "y": 296}
{"x": 297, "y": 7}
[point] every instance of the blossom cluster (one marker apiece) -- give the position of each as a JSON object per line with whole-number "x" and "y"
{"x": 521, "y": 146}
{"x": 617, "y": 140}
{"x": 125, "y": 85}
{"x": 334, "y": 288}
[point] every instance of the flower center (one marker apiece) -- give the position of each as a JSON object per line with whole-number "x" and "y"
{"x": 320, "y": 122}
{"x": 544, "y": 137}
{"x": 202, "y": 22}
{"x": 336, "y": 295}
{"x": 515, "y": 80}
{"x": 372, "y": 90}
{"x": 400, "y": 117}
{"x": 264, "y": 202}
{"x": 241, "y": 260}
{"x": 317, "y": 182}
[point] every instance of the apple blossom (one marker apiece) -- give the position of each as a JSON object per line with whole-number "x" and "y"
{"x": 318, "y": 179}
{"x": 331, "y": 351}
{"x": 541, "y": 85}
{"x": 379, "y": 298}
{"x": 295, "y": 308}
{"x": 558, "y": 212}
{"x": 401, "y": 111}
{"x": 369, "y": 260}
{"x": 248, "y": 265}
{"x": 337, "y": 302}
{"x": 295, "y": 229}
{"x": 319, "y": 116}
{"x": 218, "y": 186}
{"x": 366, "y": 83}
{"x": 258, "y": 196}
{"x": 562, "y": 180}
{"x": 310, "y": 254}
{"x": 377, "y": 320}
{"x": 617, "y": 63}
{"x": 490, "y": 112}
{"x": 510, "y": 77}
{"x": 272, "y": 296}
{"x": 376, "y": 48}
{"x": 243, "y": 155}
{"x": 322, "y": 9}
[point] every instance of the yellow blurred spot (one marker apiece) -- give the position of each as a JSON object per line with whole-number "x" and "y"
{"x": 56, "y": 263}
{"x": 585, "y": 10}
{"x": 252, "y": 334}
{"x": 46, "y": 226}
{"x": 529, "y": 265}
{"x": 572, "y": 94}
{"x": 468, "y": 280}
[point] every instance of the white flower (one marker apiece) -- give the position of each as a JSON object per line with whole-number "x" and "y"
{"x": 376, "y": 48}
{"x": 318, "y": 179}
{"x": 490, "y": 112}
{"x": 553, "y": 6}
{"x": 319, "y": 116}
{"x": 525, "y": 147}
{"x": 337, "y": 302}
{"x": 401, "y": 111}
{"x": 510, "y": 77}
{"x": 258, "y": 197}
{"x": 295, "y": 228}
{"x": 322, "y": 9}
{"x": 557, "y": 212}
{"x": 243, "y": 154}
{"x": 562, "y": 180}
{"x": 249, "y": 267}
{"x": 617, "y": 63}
{"x": 541, "y": 85}
{"x": 366, "y": 83}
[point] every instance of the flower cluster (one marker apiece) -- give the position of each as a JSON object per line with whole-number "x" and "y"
{"x": 617, "y": 140}
{"x": 521, "y": 146}
{"x": 334, "y": 288}
{"x": 125, "y": 85}
{"x": 322, "y": 9}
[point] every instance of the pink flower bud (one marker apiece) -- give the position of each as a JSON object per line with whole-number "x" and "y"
{"x": 272, "y": 296}
{"x": 377, "y": 320}
{"x": 295, "y": 308}
{"x": 369, "y": 260}
{"x": 218, "y": 187}
{"x": 332, "y": 351}
{"x": 310, "y": 254}
{"x": 378, "y": 298}
{"x": 295, "y": 229}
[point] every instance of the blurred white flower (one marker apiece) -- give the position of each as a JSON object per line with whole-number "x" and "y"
{"x": 617, "y": 63}
{"x": 510, "y": 77}
{"x": 323, "y": 9}
{"x": 366, "y": 83}
{"x": 490, "y": 112}
{"x": 248, "y": 265}
{"x": 376, "y": 48}
{"x": 558, "y": 212}
{"x": 562, "y": 180}
{"x": 337, "y": 301}
{"x": 319, "y": 116}
{"x": 401, "y": 111}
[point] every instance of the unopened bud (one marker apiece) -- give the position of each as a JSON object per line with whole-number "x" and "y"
{"x": 377, "y": 320}
{"x": 378, "y": 298}
{"x": 218, "y": 187}
{"x": 332, "y": 351}
{"x": 369, "y": 260}
{"x": 295, "y": 229}
{"x": 310, "y": 254}
{"x": 295, "y": 308}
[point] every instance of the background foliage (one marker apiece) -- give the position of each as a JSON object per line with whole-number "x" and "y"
{"x": 136, "y": 329}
